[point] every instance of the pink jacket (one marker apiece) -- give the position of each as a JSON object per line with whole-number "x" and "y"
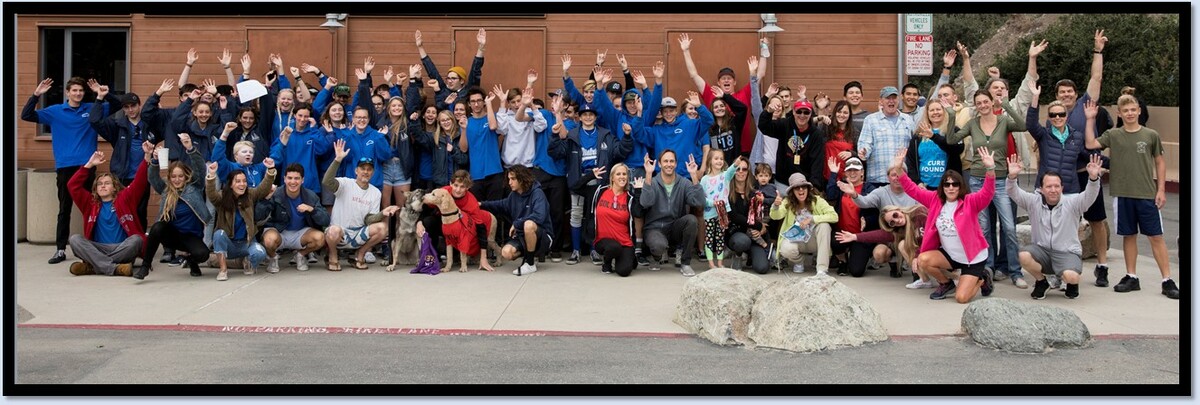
{"x": 966, "y": 216}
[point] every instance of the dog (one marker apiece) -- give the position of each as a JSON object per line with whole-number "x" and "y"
{"x": 404, "y": 242}
{"x": 460, "y": 233}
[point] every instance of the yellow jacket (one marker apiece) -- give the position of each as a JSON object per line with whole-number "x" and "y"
{"x": 821, "y": 210}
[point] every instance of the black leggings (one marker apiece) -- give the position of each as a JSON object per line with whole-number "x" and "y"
{"x": 856, "y": 260}
{"x": 620, "y": 257}
{"x": 165, "y": 234}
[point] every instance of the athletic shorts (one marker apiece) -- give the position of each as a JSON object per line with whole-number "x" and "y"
{"x": 976, "y": 269}
{"x": 1096, "y": 211}
{"x": 1137, "y": 213}
{"x": 1054, "y": 261}
{"x": 354, "y": 238}
{"x": 543, "y": 242}
{"x": 291, "y": 239}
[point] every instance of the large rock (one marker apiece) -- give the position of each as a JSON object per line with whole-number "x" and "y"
{"x": 716, "y": 305}
{"x": 1085, "y": 238}
{"x": 813, "y": 313}
{"x": 1020, "y": 327}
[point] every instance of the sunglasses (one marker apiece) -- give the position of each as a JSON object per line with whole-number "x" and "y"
{"x": 1057, "y": 115}
{"x": 954, "y": 184}
{"x": 365, "y": 160}
{"x": 803, "y": 112}
{"x": 742, "y": 169}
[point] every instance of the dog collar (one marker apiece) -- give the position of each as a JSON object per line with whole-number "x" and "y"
{"x": 451, "y": 214}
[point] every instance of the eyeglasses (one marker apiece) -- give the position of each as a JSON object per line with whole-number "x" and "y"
{"x": 948, "y": 184}
{"x": 361, "y": 118}
{"x": 803, "y": 112}
{"x": 1057, "y": 115}
{"x": 476, "y": 101}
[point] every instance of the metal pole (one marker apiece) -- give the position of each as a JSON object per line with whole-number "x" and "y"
{"x": 899, "y": 50}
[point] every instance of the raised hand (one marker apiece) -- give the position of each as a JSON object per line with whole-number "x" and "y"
{"x": 899, "y": 158}
{"x": 834, "y": 165}
{"x": 497, "y": 91}
{"x": 285, "y": 135}
{"x": 623, "y": 62}
{"x": 276, "y": 60}
{"x": 717, "y": 92}
{"x": 752, "y": 63}
{"x": 368, "y": 64}
{"x": 462, "y": 122}
{"x": 44, "y": 86}
{"x": 147, "y": 147}
{"x": 339, "y": 150}
{"x": 331, "y": 82}
{"x": 962, "y": 49}
{"x": 246, "y": 63}
{"x": 229, "y": 127}
{"x": 993, "y": 72}
{"x": 822, "y": 100}
{"x": 772, "y": 90}
{"x": 924, "y": 130}
{"x": 93, "y": 85}
{"x": 639, "y": 182}
{"x": 212, "y": 169}
{"x": 1014, "y": 166}
{"x": 1093, "y": 167}
{"x": 268, "y": 163}
{"x": 1036, "y": 90}
{"x": 599, "y": 171}
{"x": 626, "y": 128}
{"x": 801, "y": 92}
{"x": 566, "y": 62}
{"x": 1090, "y": 109}
{"x": 295, "y": 71}
{"x": 97, "y": 159}
{"x": 101, "y": 92}
{"x": 449, "y": 98}
{"x": 1100, "y": 40}
{"x": 692, "y": 167}
{"x": 949, "y": 57}
{"x": 648, "y": 164}
{"x": 309, "y": 68}
{"x": 358, "y": 72}
{"x": 388, "y": 74}
{"x": 417, "y": 39}
{"x": 1036, "y": 49}
{"x": 488, "y": 100}
{"x": 659, "y": 69}
{"x": 481, "y": 37}
{"x": 433, "y": 84}
{"x": 694, "y": 98}
{"x": 226, "y": 58}
{"x": 210, "y": 86}
{"x": 685, "y": 42}
{"x": 186, "y": 141}
{"x": 639, "y": 79}
{"x": 985, "y": 156}
{"x": 530, "y": 77}
{"x": 602, "y": 76}
{"x": 527, "y": 97}
{"x": 846, "y": 188}
{"x": 600, "y": 56}
{"x": 845, "y": 237}
{"x": 195, "y": 94}
{"x": 414, "y": 71}
{"x": 191, "y": 57}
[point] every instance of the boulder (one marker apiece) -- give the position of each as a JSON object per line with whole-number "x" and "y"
{"x": 716, "y": 304}
{"x": 1085, "y": 238}
{"x": 1020, "y": 327}
{"x": 813, "y": 313}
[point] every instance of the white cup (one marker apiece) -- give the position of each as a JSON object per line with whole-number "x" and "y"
{"x": 163, "y": 156}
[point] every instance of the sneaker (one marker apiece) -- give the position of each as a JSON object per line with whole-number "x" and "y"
{"x": 167, "y": 258}
{"x": 687, "y": 271}
{"x": 1039, "y": 289}
{"x": 895, "y": 272}
{"x": 273, "y": 265}
{"x": 525, "y": 269}
{"x": 596, "y": 259}
{"x": 1055, "y": 283}
{"x": 1170, "y": 290}
{"x": 703, "y": 259}
{"x": 988, "y": 285}
{"x": 1101, "y": 273}
{"x": 59, "y": 257}
{"x": 124, "y": 269}
{"x": 369, "y": 257}
{"x": 81, "y": 269}
{"x": 799, "y": 268}
{"x": 1127, "y": 284}
{"x": 942, "y": 291}
{"x": 178, "y": 261}
{"x": 541, "y": 258}
{"x": 195, "y": 269}
{"x": 555, "y": 257}
{"x": 642, "y": 260}
{"x": 606, "y": 268}
{"x": 655, "y": 263}
{"x": 1072, "y": 290}
{"x": 312, "y": 257}
{"x": 998, "y": 275}
{"x": 142, "y": 271}
{"x": 301, "y": 262}
{"x": 1020, "y": 282}
{"x": 919, "y": 284}
{"x": 222, "y": 276}
{"x": 574, "y": 257}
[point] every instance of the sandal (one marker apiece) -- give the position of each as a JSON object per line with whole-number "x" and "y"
{"x": 360, "y": 264}
{"x": 333, "y": 266}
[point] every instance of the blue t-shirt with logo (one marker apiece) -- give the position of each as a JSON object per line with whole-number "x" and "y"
{"x": 107, "y": 228}
{"x": 931, "y": 162}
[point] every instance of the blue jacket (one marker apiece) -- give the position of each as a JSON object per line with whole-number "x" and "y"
{"x": 442, "y": 163}
{"x": 193, "y": 193}
{"x": 74, "y": 140}
{"x": 304, "y": 147}
{"x": 254, "y": 171}
{"x": 402, "y": 147}
{"x": 473, "y": 79}
{"x": 118, "y": 131}
{"x": 530, "y": 205}
{"x": 1056, "y": 156}
{"x": 685, "y": 136}
{"x": 202, "y": 139}
{"x": 610, "y": 150}
{"x": 370, "y": 143}
{"x": 613, "y": 120}
{"x": 160, "y": 119}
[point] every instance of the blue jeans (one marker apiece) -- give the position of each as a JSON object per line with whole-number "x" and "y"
{"x": 234, "y": 249}
{"x": 1008, "y": 231}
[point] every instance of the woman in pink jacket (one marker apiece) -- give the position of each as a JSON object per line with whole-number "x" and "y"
{"x": 953, "y": 240}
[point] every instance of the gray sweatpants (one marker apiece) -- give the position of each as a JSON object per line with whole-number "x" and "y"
{"x": 104, "y": 257}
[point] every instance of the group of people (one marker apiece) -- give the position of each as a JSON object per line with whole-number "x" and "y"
{"x": 618, "y": 171}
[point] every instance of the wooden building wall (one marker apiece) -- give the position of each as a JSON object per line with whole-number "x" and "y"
{"x": 822, "y": 52}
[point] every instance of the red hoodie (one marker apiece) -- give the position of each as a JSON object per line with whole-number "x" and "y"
{"x": 125, "y": 204}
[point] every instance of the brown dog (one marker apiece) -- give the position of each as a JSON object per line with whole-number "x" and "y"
{"x": 459, "y": 232}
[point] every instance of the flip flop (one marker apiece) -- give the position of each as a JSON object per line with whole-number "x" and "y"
{"x": 333, "y": 266}
{"x": 361, "y": 265}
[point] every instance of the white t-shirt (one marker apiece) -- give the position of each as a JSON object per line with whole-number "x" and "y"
{"x": 352, "y": 203}
{"x": 948, "y": 234}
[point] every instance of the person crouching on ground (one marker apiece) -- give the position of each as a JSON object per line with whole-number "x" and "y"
{"x": 235, "y": 227}
{"x": 530, "y": 213}
{"x": 112, "y": 234}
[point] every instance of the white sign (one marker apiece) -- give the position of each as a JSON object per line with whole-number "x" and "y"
{"x": 918, "y": 23}
{"x": 250, "y": 90}
{"x": 918, "y": 55}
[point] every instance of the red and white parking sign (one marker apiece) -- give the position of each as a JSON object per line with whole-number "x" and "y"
{"x": 918, "y": 55}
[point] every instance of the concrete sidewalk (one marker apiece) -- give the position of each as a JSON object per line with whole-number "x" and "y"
{"x": 558, "y": 298}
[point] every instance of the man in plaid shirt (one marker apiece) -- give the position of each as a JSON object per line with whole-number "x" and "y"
{"x": 883, "y": 134}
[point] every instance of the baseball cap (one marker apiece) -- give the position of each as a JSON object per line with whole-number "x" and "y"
{"x": 613, "y": 87}
{"x": 888, "y": 91}
{"x": 556, "y": 93}
{"x": 630, "y": 94}
{"x": 854, "y": 163}
{"x": 669, "y": 102}
{"x": 130, "y": 98}
{"x": 802, "y": 104}
{"x": 365, "y": 161}
{"x": 586, "y": 107}
{"x": 725, "y": 71}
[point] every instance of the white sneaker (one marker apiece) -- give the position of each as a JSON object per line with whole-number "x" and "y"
{"x": 798, "y": 268}
{"x": 312, "y": 257}
{"x": 525, "y": 269}
{"x": 273, "y": 265}
{"x": 247, "y": 269}
{"x": 369, "y": 257}
{"x": 687, "y": 270}
{"x": 301, "y": 262}
{"x": 919, "y": 284}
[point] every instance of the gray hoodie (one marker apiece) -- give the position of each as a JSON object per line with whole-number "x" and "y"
{"x": 1055, "y": 228}
{"x": 661, "y": 210}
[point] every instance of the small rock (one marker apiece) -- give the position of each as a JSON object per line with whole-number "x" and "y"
{"x": 716, "y": 304}
{"x": 1020, "y": 327}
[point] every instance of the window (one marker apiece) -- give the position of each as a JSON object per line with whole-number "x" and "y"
{"x": 99, "y": 53}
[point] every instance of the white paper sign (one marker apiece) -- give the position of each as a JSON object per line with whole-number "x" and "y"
{"x": 250, "y": 90}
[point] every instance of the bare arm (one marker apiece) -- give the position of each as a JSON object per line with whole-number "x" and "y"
{"x": 685, "y": 43}
{"x": 1093, "y": 88}
{"x": 187, "y": 68}
{"x": 762, "y": 61}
